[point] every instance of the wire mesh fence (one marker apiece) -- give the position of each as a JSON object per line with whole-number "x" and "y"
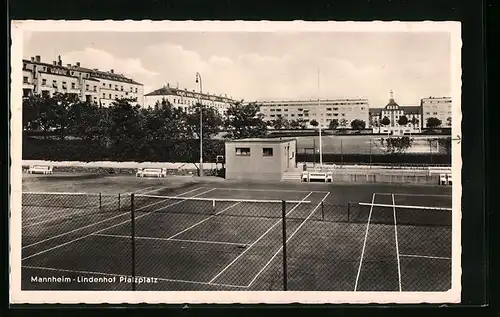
{"x": 147, "y": 242}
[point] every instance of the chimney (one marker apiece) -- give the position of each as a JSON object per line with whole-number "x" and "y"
{"x": 32, "y": 59}
{"x": 59, "y": 60}
{"x": 112, "y": 71}
{"x": 38, "y": 58}
{"x": 77, "y": 64}
{"x": 54, "y": 63}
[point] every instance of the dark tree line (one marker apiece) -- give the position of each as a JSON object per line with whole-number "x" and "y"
{"x": 126, "y": 131}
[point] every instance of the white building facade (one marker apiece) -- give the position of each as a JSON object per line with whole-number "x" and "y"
{"x": 185, "y": 99}
{"x": 392, "y": 114}
{"x": 322, "y": 111}
{"x": 436, "y": 107}
{"x": 91, "y": 85}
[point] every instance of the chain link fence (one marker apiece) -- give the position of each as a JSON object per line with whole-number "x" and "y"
{"x": 147, "y": 242}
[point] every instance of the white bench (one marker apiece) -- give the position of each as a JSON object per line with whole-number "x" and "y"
{"x": 445, "y": 179}
{"x": 154, "y": 172}
{"x": 325, "y": 176}
{"x": 42, "y": 169}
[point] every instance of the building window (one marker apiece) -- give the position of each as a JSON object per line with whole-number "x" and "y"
{"x": 44, "y": 82}
{"x": 109, "y": 85}
{"x": 122, "y": 88}
{"x": 54, "y": 83}
{"x": 104, "y": 84}
{"x": 73, "y": 85}
{"x": 110, "y": 96}
{"x": 242, "y": 151}
{"x": 87, "y": 87}
{"x": 136, "y": 90}
{"x": 25, "y": 79}
{"x": 104, "y": 95}
{"x": 116, "y": 87}
{"x": 95, "y": 88}
{"x": 267, "y": 151}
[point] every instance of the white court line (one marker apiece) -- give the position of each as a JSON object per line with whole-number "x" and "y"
{"x": 416, "y": 195}
{"x": 258, "y": 239}
{"x": 424, "y": 256}
{"x": 269, "y": 190}
{"x": 397, "y": 244}
{"x": 291, "y": 236}
{"x": 168, "y": 239}
{"x": 364, "y": 244}
{"x": 125, "y": 275}
{"x": 93, "y": 224}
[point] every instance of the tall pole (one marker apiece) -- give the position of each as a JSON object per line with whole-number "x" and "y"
{"x": 198, "y": 80}
{"x": 320, "y": 141}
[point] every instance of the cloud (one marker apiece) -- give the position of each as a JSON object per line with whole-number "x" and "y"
{"x": 95, "y": 58}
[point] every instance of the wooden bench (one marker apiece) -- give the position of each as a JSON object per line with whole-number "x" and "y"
{"x": 40, "y": 169}
{"x": 154, "y": 172}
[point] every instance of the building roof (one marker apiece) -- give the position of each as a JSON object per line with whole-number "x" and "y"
{"x": 98, "y": 74}
{"x": 170, "y": 91}
{"x": 262, "y": 140}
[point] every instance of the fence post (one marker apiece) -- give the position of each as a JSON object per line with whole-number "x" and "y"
{"x": 348, "y": 212}
{"x": 322, "y": 211}
{"x": 100, "y": 202}
{"x": 283, "y": 215}
{"x": 119, "y": 204}
{"x": 132, "y": 236}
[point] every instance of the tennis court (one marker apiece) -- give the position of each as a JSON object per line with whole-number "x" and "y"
{"x": 211, "y": 238}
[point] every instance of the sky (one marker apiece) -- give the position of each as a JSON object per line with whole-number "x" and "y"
{"x": 265, "y": 66}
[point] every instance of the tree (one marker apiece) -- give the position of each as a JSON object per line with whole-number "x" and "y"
{"x": 403, "y": 120}
{"x": 164, "y": 122}
{"x": 295, "y": 124}
{"x": 448, "y": 121}
{"x": 244, "y": 121}
{"x": 333, "y": 124}
{"x": 32, "y": 107}
{"x": 397, "y": 145}
{"x": 385, "y": 121}
{"x": 314, "y": 123}
{"x": 343, "y": 123}
{"x": 279, "y": 123}
{"x": 84, "y": 120}
{"x": 433, "y": 122}
{"x": 211, "y": 121}
{"x": 358, "y": 124}
{"x": 414, "y": 121}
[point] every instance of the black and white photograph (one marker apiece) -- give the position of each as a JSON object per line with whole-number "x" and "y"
{"x": 235, "y": 162}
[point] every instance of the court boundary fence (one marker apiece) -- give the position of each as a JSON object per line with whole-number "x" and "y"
{"x": 319, "y": 213}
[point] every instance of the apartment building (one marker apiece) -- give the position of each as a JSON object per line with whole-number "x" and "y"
{"x": 392, "y": 114}
{"x": 436, "y": 107}
{"x": 323, "y": 111}
{"x": 92, "y": 85}
{"x": 185, "y": 99}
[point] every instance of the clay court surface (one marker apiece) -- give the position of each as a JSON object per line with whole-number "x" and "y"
{"x": 229, "y": 236}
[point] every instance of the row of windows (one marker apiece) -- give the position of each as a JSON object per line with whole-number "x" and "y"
{"x": 121, "y": 87}
{"x": 73, "y": 85}
{"x": 245, "y": 151}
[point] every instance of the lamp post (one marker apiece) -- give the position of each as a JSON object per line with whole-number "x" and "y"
{"x": 319, "y": 125}
{"x": 198, "y": 80}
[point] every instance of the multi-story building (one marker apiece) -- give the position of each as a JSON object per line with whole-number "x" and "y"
{"x": 90, "y": 85}
{"x": 322, "y": 111}
{"x": 392, "y": 114}
{"x": 436, "y": 107}
{"x": 184, "y": 99}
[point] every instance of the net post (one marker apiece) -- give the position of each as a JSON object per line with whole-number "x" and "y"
{"x": 132, "y": 238}
{"x": 213, "y": 206}
{"x": 283, "y": 220}
{"x": 100, "y": 201}
{"x": 322, "y": 211}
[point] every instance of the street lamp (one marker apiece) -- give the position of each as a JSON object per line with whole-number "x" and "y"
{"x": 198, "y": 80}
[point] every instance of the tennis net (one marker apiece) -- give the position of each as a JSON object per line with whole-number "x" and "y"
{"x": 400, "y": 214}
{"x": 214, "y": 206}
